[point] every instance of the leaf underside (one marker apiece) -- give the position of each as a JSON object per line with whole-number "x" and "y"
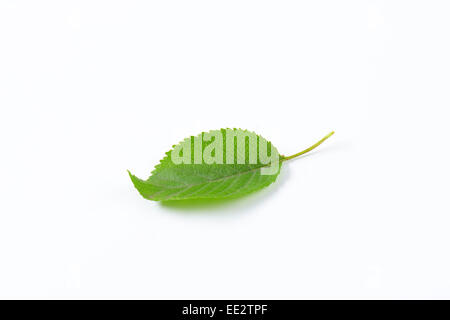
{"x": 170, "y": 181}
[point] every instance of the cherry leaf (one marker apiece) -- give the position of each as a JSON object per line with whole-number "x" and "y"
{"x": 221, "y": 163}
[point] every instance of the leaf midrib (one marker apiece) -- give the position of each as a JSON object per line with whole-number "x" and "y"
{"x": 210, "y": 181}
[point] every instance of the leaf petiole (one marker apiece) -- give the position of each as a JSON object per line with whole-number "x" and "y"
{"x": 310, "y": 148}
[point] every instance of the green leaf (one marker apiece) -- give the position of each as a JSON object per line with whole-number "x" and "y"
{"x": 217, "y": 164}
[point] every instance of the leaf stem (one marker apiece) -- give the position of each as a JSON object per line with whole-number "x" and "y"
{"x": 318, "y": 143}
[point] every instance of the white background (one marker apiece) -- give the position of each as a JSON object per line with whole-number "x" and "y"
{"x": 89, "y": 89}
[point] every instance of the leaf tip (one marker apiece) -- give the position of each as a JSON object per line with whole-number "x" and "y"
{"x": 132, "y": 177}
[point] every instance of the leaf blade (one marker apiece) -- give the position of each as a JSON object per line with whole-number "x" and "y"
{"x": 210, "y": 181}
